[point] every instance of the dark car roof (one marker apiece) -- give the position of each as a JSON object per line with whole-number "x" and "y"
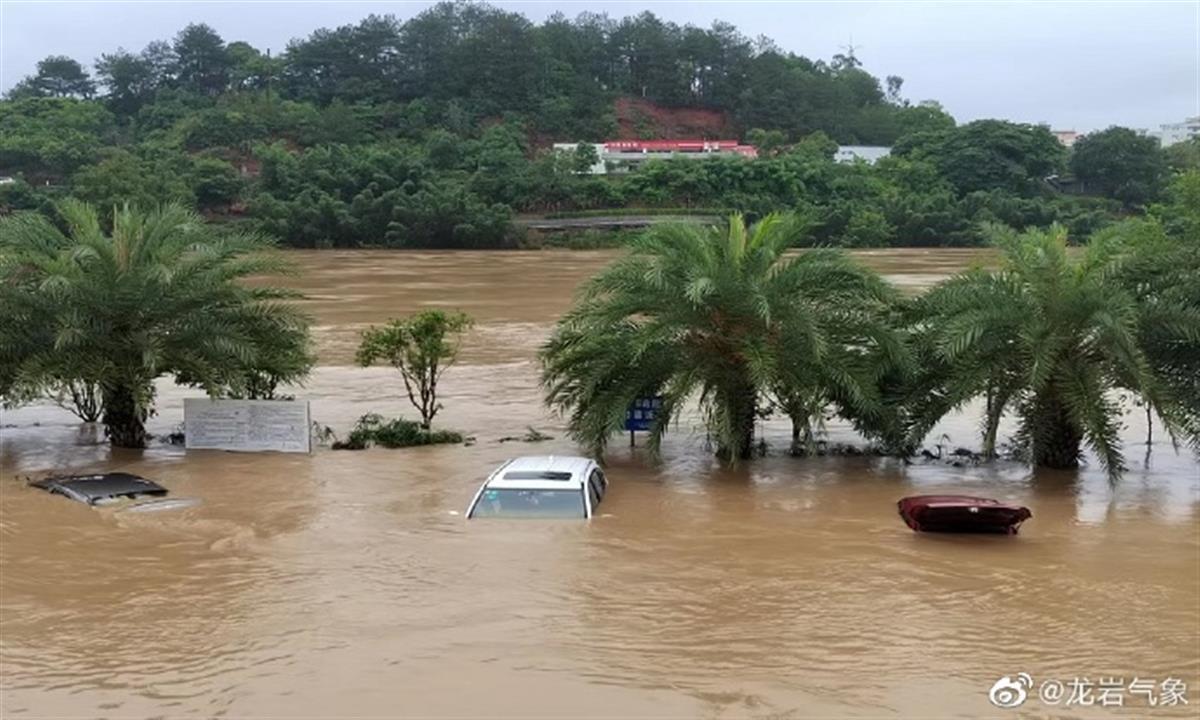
{"x": 93, "y": 488}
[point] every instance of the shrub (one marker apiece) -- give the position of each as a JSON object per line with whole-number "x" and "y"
{"x": 373, "y": 429}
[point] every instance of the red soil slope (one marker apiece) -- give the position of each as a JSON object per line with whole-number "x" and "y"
{"x": 639, "y": 119}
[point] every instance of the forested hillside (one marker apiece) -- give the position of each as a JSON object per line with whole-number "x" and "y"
{"x": 435, "y": 132}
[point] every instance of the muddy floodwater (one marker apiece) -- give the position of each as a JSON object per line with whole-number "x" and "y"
{"x": 345, "y": 584}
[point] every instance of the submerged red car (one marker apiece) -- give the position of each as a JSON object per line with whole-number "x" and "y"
{"x": 961, "y": 514}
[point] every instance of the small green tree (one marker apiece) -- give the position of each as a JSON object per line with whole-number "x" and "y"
{"x": 768, "y": 142}
{"x": 421, "y": 348}
{"x": 867, "y": 228}
{"x": 584, "y": 157}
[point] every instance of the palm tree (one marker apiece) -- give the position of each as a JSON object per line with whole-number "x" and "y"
{"x": 1051, "y": 337}
{"x": 20, "y": 335}
{"x": 720, "y": 313}
{"x": 161, "y": 295}
{"x": 1162, "y": 273}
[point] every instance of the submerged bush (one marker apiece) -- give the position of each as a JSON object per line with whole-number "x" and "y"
{"x": 373, "y": 429}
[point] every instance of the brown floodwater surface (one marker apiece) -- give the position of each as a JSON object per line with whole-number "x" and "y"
{"x": 348, "y": 584}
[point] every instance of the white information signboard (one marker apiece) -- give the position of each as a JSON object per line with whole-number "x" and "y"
{"x": 247, "y": 425}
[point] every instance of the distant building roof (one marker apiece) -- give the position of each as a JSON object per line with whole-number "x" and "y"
{"x": 867, "y": 153}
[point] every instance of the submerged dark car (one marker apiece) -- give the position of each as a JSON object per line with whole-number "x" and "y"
{"x": 101, "y": 489}
{"x": 961, "y": 514}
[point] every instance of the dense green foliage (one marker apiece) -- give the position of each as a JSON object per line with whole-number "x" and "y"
{"x": 721, "y": 314}
{"x": 48, "y": 138}
{"x": 159, "y": 295}
{"x": 56, "y": 76}
{"x": 1184, "y": 156}
{"x": 989, "y": 155}
{"x": 1180, "y": 213}
{"x": 1121, "y": 164}
{"x": 434, "y": 132}
{"x": 421, "y": 348}
{"x": 1063, "y": 340}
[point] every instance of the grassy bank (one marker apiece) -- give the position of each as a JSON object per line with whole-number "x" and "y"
{"x": 637, "y": 212}
{"x": 588, "y": 239}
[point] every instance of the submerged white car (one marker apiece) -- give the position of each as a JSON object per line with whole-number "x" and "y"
{"x": 544, "y": 486}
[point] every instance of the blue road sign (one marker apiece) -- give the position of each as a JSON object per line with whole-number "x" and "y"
{"x": 641, "y": 415}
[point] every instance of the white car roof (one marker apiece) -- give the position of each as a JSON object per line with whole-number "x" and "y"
{"x": 573, "y": 472}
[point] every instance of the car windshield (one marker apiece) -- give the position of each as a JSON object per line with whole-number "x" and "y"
{"x": 510, "y": 502}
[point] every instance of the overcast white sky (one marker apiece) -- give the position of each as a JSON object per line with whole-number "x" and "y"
{"x": 1080, "y": 65}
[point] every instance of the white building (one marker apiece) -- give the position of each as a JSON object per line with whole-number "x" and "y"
{"x": 1067, "y": 138}
{"x": 867, "y": 153}
{"x": 623, "y": 155}
{"x": 1174, "y": 133}
{"x": 597, "y": 168}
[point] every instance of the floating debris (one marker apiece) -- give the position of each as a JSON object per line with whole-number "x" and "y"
{"x": 532, "y": 434}
{"x": 823, "y": 448}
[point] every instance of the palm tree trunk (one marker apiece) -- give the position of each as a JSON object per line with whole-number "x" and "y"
{"x": 989, "y": 440}
{"x": 742, "y": 409}
{"x": 1056, "y": 441}
{"x": 124, "y": 417}
{"x": 994, "y": 413}
{"x": 746, "y": 415}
